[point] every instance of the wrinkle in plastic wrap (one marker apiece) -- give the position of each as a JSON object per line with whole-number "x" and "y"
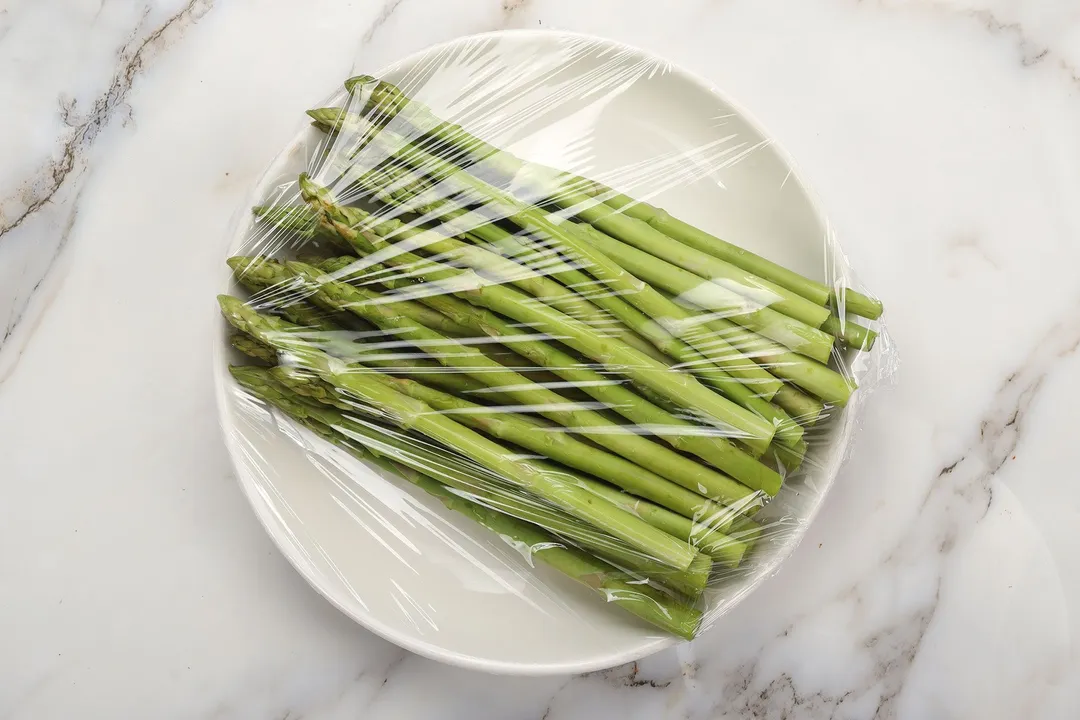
{"x": 512, "y": 377}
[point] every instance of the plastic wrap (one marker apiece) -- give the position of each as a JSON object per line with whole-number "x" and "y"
{"x": 500, "y": 390}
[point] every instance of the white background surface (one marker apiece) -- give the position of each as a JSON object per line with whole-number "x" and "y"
{"x": 940, "y": 580}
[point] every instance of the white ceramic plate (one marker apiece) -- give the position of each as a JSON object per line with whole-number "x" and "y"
{"x": 395, "y": 560}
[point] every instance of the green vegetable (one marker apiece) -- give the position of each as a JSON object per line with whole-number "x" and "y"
{"x": 481, "y": 501}
{"x": 792, "y": 333}
{"x": 531, "y": 434}
{"x": 851, "y": 332}
{"x": 253, "y": 348}
{"x": 390, "y": 101}
{"x": 680, "y": 434}
{"x": 542, "y": 400}
{"x": 804, "y": 409}
{"x": 680, "y": 388}
{"x": 414, "y": 415}
{"x": 689, "y": 289}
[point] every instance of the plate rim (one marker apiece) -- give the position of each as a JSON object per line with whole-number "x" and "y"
{"x": 225, "y": 384}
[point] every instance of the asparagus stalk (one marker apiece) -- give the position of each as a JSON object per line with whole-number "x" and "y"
{"x": 850, "y": 300}
{"x": 680, "y": 388}
{"x": 529, "y": 279}
{"x": 614, "y": 586}
{"x": 450, "y": 482}
{"x": 541, "y": 400}
{"x": 804, "y": 409}
{"x": 255, "y": 276}
{"x": 706, "y": 531}
{"x": 689, "y": 288}
{"x": 791, "y": 457}
{"x": 703, "y": 534}
{"x": 253, "y": 348}
{"x": 680, "y": 434}
{"x": 532, "y": 435}
{"x": 283, "y": 298}
{"x": 810, "y": 375}
{"x": 391, "y": 101}
{"x": 436, "y": 463}
{"x": 334, "y": 338}
{"x": 724, "y": 369}
{"x": 788, "y": 331}
{"x": 680, "y": 321}
{"x": 710, "y": 373}
{"x": 854, "y": 334}
{"x": 414, "y": 415}
{"x": 642, "y": 236}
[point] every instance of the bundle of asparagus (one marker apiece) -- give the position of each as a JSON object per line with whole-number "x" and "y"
{"x": 602, "y": 384}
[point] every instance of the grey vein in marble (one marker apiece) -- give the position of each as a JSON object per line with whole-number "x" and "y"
{"x": 40, "y": 188}
{"x": 57, "y": 182}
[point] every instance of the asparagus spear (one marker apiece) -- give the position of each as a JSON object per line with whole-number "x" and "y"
{"x": 414, "y": 415}
{"x": 256, "y": 275}
{"x": 459, "y": 220}
{"x": 614, "y": 586}
{"x": 391, "y": 101}
{"x": 745, "y": 397}
{"x": 689, "y": 288}
{"x": 674, "y": 320}
{"x": 852, "y": 301}
{"x": 642, "y": 369}
{"x": 796, "y": 335}
{"x": 542, "y": 400}
{"x": 804, "y": 409}
{"x": 283, "y": 299}
{"x": 680, "y": 321}
{"x": 715, "y": 370}
{"x": 704, "y": 534}
{"x": 706, "y": 531}
{"x": 791, "y": 457}
{"x": 851, "y": 332}
{"x": 748, "y": 383}
{"x": 680, "y": 434}
{"x": 642, "y": 236}
{"x": 333, "y": 337}
{"x": 531, "y": 280}
{"x": 253, "y": 348}
{"x": 439, "y": 465}
{"x": 725, "y": 369}
{"x": 810, "y": 375}
{"x": 451, "y": 484}
{"x": 532, "y": 435}
{"x": 787, "y": 430}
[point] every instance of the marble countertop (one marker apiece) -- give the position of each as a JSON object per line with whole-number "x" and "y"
{"x": 940, "y": 581}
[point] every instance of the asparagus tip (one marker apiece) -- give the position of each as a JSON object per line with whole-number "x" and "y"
{"x": 327, "y": 118}
{"x": 305, "y": 271}
{"x": 238, "y": 262}
{"x": 358, "y": 80}
{"x": 246, "y": 373}
{"x": 229, "y": 303}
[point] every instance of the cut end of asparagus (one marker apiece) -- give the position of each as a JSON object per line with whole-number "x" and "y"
{"x": 857, "y": 304}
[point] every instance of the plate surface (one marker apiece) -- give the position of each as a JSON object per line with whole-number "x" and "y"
{"x": 394, "y": 559}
